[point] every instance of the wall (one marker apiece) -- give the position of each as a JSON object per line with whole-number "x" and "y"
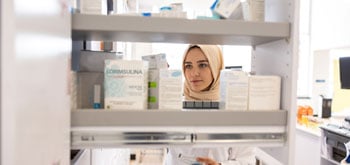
{"x": 341, "y": 97}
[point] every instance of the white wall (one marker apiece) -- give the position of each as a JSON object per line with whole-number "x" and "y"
{"x": 330, "y": 24}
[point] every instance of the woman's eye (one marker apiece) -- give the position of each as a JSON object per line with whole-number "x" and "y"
{"x": 188, "y": 66}
{"x": 203, "y": 65}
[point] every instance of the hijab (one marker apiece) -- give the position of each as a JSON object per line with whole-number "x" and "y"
{"x": 214, "y": 56}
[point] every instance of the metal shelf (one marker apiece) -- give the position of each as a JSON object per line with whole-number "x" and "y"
{"x": 176, "y": 30}
{"x": 164, "y": 118}
{"x": 158, "y": 128}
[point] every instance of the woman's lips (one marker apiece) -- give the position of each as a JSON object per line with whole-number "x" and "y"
{"x": 195, "y": 81}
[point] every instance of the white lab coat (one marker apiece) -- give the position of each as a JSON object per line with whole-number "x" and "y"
{"x": 223, "y": 155}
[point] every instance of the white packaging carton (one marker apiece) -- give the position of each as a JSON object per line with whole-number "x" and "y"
{"x": 153, "y": 89}
{"x": 170, "y": 89}
{"x": 234, "y": 90}
{"x": 93, "y": 7}
{"x": 126, "y": 84}
{"x": 264, "y": 93}
{"x": 253, "y": 10}
{"x": 225, "y": 8}
{"x": 156, "y": 62}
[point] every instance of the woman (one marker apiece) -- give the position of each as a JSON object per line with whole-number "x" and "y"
{"x": 201, "y": 66}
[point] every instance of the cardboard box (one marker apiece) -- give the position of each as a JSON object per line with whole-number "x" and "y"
{"x": 264, "y": 92}
{"x": 170, "y": 89}
{"x": 126, "y": 84}
{"x": 234, "y": 90}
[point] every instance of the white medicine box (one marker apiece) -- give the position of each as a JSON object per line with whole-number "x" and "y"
{"x": 126, "y": 84}
{"x": 234, "y": 90}
{"x": 264, "y": 92}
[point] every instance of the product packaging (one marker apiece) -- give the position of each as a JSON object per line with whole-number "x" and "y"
{"x": 170, "y": 89}
{"x": 93, "y": 7}
{"x": 234, "y": 90}
{"x": 264, "y": 92}
{"x": 253, "y": 10}
{"x": 126, "y": 84}
{"x": 156, "y": 62}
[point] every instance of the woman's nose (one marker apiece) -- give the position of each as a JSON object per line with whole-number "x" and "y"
{"x": 195, "y": 72}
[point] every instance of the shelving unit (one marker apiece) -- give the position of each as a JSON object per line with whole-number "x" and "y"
{"x": 157, "y": 29}
{"x": 273, "y": 53}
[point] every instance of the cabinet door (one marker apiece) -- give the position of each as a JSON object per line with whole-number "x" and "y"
{"x": 35, "y": 52}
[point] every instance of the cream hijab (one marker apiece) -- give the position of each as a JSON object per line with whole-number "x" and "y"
{"x": 214, "y": 55}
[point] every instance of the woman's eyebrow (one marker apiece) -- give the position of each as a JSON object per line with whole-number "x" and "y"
{"x": 186, "y": 62}
{"x": 199, "y": 61}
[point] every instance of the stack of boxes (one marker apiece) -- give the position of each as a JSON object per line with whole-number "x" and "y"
{"x": 165, "y": 86}
{"x": 240, "y": 91}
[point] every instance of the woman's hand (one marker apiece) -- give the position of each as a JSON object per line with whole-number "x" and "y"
{"x": 207, "y": 161}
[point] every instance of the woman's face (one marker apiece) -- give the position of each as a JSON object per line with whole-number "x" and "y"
{"x": 197, "y": 70}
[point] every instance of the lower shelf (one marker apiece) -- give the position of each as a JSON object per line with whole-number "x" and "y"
{"x": 88, "y": 139}
{"x": 111, "y": 129}
{"x": 91, "y": 117}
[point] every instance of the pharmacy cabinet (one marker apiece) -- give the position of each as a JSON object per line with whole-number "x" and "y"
{"x": 274, "y": 44}
{"x": 308, "y": 144}
{"x": 35, "y": 51}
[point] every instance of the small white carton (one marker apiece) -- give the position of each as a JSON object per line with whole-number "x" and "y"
{"x": 156, "y": 61}
{"x": 225, "y": 8}
{"x": 93, "y": 7}
{"x": 170, "y": 89}
{"x": 253, "y": 10}
{"x": 234, "y": 90}
{"x": 126, "y": 84}
{"x": 264, "y": 93}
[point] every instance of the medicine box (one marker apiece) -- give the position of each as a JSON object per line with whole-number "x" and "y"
{"x": 234, "y": 90}
{"x": 126, "y": 84}
{"x": 155, "y": 62}
{"x": 226, "y": 7}
{"x": 264, "y": 92}
{"x": 93, "y": 7}
{"x": 170, "y": 89}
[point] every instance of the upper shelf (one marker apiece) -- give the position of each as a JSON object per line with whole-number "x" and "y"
{"x": 176, "y": 30}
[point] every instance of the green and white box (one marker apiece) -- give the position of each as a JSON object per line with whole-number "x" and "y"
{"x": 153, "y": 89}
{"x": 126, "y": 84}
{"x": 234, "y": 90}
{"x": 155, "y": 62}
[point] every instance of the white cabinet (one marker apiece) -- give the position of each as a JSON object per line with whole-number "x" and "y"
{"x": 35, "y": 46}
{"x": 274, "y": 52}
{"x": 308, "y": 146}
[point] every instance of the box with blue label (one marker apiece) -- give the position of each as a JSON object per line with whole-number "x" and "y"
{"x": 126, "y": 84}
